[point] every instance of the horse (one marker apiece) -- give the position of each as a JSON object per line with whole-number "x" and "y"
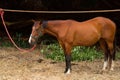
{"x": 70, "y": 33}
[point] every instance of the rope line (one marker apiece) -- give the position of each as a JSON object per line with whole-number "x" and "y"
{"x": 92, "y": 11}
{"x": 23, "y": 50}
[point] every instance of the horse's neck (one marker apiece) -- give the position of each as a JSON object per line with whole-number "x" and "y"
{"x": 50, "y": 28}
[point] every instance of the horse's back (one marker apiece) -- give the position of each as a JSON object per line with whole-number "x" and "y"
{"x": 105, "y": 21}
{"x": 104, "y": 25}
{"x": 84, "y": 33}
{"x": 90, "y": 31}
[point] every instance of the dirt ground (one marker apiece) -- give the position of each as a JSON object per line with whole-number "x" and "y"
{"x": 15, "y": 65}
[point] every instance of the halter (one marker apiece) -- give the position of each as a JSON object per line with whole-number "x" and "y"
{"x": 43, "y": 26}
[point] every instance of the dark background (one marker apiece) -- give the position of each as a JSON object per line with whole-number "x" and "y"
{"x": 21, "y": 22}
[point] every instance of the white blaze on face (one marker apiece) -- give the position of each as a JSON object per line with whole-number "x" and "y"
{"x": 30, "y": 38}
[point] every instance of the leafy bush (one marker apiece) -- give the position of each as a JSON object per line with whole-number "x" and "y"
{"x": 20, "y": 42}
{"x": 55, "y": 52}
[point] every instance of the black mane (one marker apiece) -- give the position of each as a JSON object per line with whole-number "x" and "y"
{"x": 44, "y": 24}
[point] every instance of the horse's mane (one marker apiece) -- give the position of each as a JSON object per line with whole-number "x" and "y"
{"x": 44, "y": 24}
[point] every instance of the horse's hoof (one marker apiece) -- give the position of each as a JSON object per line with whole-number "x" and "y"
{"x": 67, "y": 71}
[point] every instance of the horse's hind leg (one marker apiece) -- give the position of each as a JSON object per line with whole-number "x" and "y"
{"x": 104, "y": 46}
{"x": 111, "y": 55}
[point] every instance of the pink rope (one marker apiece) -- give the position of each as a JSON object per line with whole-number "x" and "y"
{"x": 23, "y": 50}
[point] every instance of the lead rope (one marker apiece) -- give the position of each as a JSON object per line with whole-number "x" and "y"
{"x": 23, "y": 50}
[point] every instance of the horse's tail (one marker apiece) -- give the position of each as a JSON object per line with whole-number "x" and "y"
{"x": 114, "y": 48}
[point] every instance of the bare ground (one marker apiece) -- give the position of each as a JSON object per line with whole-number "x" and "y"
{"x": 15, "y": 65}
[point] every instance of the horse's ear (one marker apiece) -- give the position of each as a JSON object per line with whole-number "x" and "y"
{"x": 41, "y": 21}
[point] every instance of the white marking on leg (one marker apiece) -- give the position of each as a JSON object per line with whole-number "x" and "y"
{"x": 105, "y": 65}
{"x": 112, "y": 66}
{"x": 68, "y": 72}
{"x": 30, "y": 38}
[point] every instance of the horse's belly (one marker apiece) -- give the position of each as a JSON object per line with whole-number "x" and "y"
{"x": 86, "y": 41}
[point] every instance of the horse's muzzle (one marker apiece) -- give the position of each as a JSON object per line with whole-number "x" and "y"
{"x": 32, "y": 40}
{"x": 32, "y": 43}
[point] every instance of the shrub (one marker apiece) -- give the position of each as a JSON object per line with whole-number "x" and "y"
{"x": 79, "y": 53}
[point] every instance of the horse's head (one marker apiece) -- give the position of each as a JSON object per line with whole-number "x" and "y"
{"x": 37, "y": 31}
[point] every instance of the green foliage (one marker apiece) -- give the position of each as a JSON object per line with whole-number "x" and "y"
{"x": 4, "y": 42}
{"x": 8, "y": 44}
{"x": 118, "y": 54}
{"x": 20, "y": 42}
{"x": 81, "y": 53}
{"x": 55, "y": 52}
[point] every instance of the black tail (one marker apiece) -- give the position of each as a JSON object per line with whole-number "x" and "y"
{"x": 114, "y": 51}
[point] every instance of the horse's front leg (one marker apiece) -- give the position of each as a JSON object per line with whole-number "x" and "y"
{"x": 67, "y": 52}
{"x": 68, "y": 63}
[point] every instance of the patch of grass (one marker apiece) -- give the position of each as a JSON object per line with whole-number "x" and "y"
{"x": 55, "y": 52}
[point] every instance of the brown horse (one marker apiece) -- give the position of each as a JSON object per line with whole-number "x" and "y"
{"x": 72, "y": 33}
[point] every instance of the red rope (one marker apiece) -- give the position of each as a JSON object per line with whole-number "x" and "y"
{"x": 23, "y": 50}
